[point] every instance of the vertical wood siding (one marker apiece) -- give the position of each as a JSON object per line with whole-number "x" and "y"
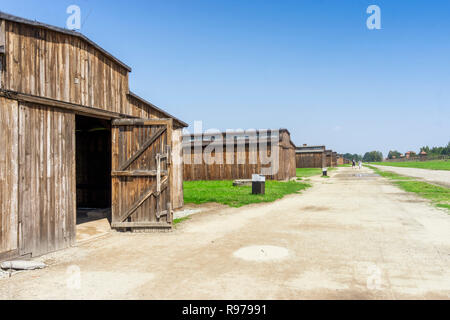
{"x": 141, "y": 109}
{"x": 309, "y": 160}
{"x": 334, "y": 159}
{"x": 8, "y": 175}
{"x": 64, "y": 67}
{"x": 177, "y": 169}
{"x": 244, "y": 164}
{"x": 39, "y": 142}
{"x": 47, "y": 179}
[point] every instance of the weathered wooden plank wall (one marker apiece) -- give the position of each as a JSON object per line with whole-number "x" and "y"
{"x": 287, "y": 158}
{"x": 49, "y": 64}
{"x": 177, "y": 169}
{"x": 309, "y": 160}
{"x": 9, "y": 170}
{"x": 43, "y": 62}
{"x": 334, "y": 159}
{"x": 245, "y": 162}
{"x": 47, "y": 189}
{"x": 222, "y": 169}
{"x": 139, "y": 108}
{"x": 330, "y": 158}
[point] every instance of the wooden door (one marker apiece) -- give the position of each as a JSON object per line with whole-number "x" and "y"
{"x": 47, "y": 186}
{"x": 141, "y": 174}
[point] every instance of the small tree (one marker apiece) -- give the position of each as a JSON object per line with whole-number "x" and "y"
{"x": 373, "y": 156}
{"x": 426, "y": 149}
{"x": 350, "y": 156}
{"x": 393, "y": 154}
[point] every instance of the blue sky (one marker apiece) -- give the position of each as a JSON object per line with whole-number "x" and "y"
{"x": 309, "y": 66}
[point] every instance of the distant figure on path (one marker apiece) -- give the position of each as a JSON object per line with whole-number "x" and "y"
{"x": 353, "y": 163}
{"x": 360, "y": 164}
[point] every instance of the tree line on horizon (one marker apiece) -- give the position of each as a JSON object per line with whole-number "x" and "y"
{"x": 435, "y": 151}
{"x": 377, "y": 156}
{"x": 371, "y": 156}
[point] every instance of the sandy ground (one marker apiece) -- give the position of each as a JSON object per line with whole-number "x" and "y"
{"x": 352, "y": 236}
{"x": 441, "y": 177}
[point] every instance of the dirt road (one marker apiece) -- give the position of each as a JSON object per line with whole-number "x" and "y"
{"x": 441, "y": 177}
{"x": 352, "y": 236}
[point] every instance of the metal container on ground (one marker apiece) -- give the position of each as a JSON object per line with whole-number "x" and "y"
{"x": 258, "y": 184}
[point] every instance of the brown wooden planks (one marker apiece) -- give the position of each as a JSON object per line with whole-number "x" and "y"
{"x": 46, "y": 172}
{"x": 135, "y": 199}
{"x": 8, "y": 175}
{"x": 60, "y": 66}
{"x": 177, "y": 170}
{"x": 54, "y": 75}
{"x": 239, "y": 160}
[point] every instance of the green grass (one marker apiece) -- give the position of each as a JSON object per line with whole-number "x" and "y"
{"x": 344, "y": 165}
{"x": 224, "y": 192}
{"x": 308, "y": 172}
{"x": 179, "y": 220}
{"x": 388, "y": 174}
{"x": 303, "y": 173}
{"x": 439, "y": 196}
{"x": 432, "y": 165}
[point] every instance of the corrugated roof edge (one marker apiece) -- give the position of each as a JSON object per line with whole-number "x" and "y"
{"x": 182, "y": 123}
{"x": 307, "y": 147}
{"x": 9, "y": 17}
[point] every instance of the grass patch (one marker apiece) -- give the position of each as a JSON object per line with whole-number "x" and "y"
{"x": 179, "y": 220}
{"x": 388, "y": 174}
{"x": 308, "y": 172}
{"x": 223, "y": 192}
{"x": 431, "y": 165}
{"x": 344, "y": 165}
{"x": 439, "y": 196}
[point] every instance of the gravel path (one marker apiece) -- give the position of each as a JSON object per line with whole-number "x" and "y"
{"x": 441, "y": 177}
{"x": 352, "y": 236}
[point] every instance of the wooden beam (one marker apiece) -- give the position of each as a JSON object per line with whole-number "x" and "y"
{"x": 140, "y": 122}
{"x": 141, "y": 225}
{"x": 142, "y": 149}
{"x": 76, "y": 108}
{"x": 137, "y": 173}
{"x": 134, "y": 207}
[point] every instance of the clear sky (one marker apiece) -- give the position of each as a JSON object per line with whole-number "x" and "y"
{"x": 309, "y": 66}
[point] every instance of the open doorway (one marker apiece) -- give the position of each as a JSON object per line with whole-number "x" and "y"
{"x": 93, "y": 176}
